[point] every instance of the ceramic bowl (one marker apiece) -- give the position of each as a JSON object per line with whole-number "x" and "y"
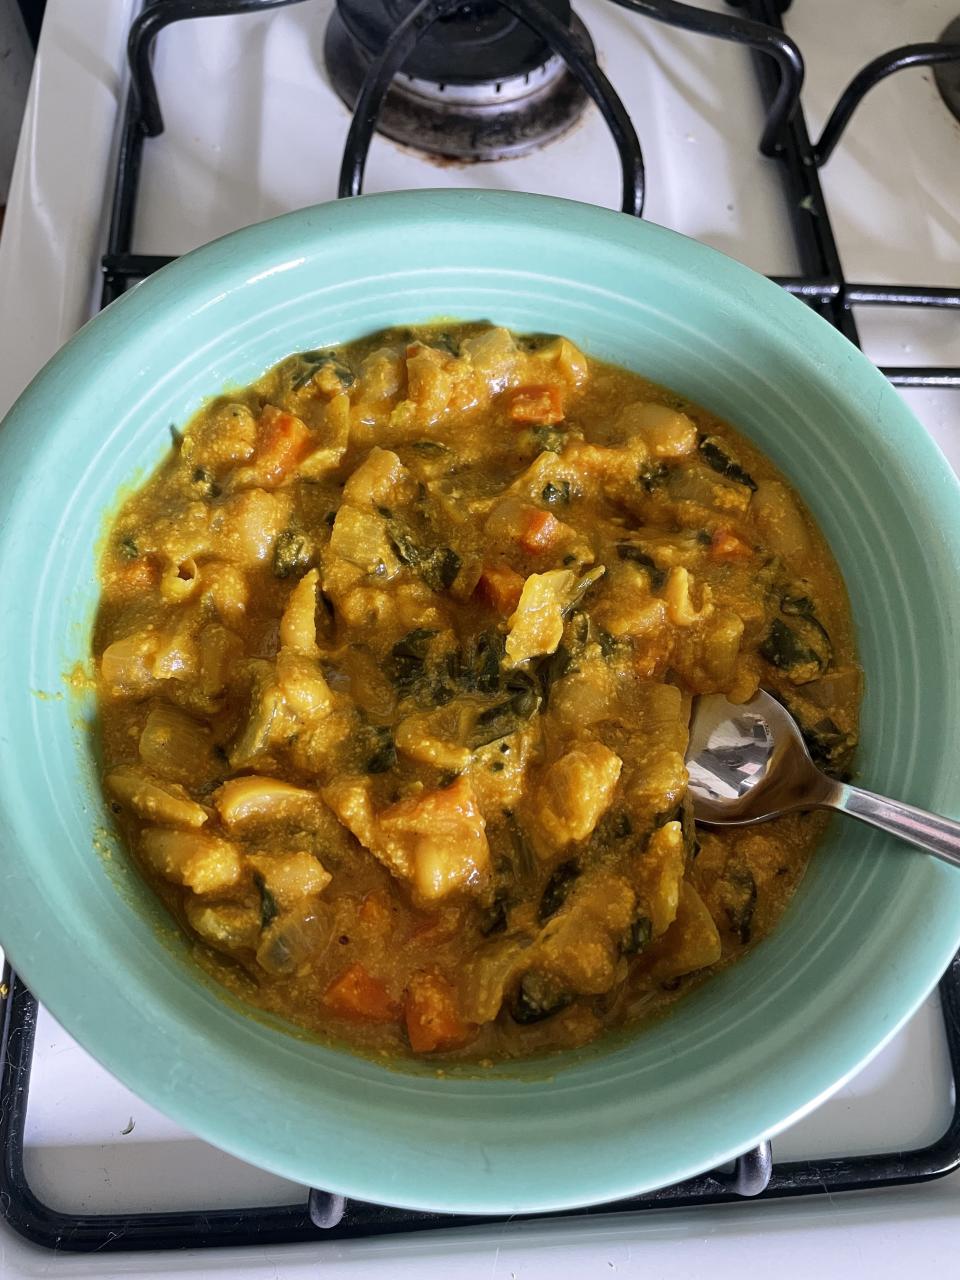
{"x": 873, "y": 924}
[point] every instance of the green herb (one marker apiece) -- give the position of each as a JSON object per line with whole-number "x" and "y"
{"x": 535, "y": 341}
{"x": 537, "y": 998}
{"x": 556, "y": 890}
{"x": 205, "y": 483}
{"x": 429, "y": 448}
{"x": 128, "y": 548}
{"x": 608, "y": 644}
{"x": 637, "y": 936}
{"x": 548, "y": 438}
{"x": 383, "y": 751}
{"x": 741, "y": 901}
{"x": 556, "y": 495}
{"x": 406, "y": 666}
{"x": 268, "y": 904}
{"x": 503, "y": 718}
{"x": 621, "y": 826}
{"x": 553, "y": 668}
{"x": 494, "y": 918}
{"x": 445, "y": 342}
{"x": 311, "y": 362}
{"x": 636, "y": 555}
{"x": 290, "y": 554}
{"x": 652, "y": 476}
{"x": 783, "y": 648}
{"x": 438, "y": 566}
{"x": 715, "y": 455}
{"x": 522, "y": 857}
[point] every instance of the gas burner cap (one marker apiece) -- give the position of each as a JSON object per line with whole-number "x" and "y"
{"x": 464, "y": 97}
{"x": 947, "y": 74}
{"x": 478, "y": 43}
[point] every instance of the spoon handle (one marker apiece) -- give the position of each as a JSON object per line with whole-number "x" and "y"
{"x": 937, "y": 835}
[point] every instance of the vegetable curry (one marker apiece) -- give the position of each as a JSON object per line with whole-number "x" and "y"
{"x": 396, "y": 655}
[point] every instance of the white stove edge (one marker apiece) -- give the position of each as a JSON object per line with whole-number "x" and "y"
{"x": 46, "y": 291}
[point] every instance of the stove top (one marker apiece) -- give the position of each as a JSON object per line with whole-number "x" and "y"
{"x": 884, "y": 205}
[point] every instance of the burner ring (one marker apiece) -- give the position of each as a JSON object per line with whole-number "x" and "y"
{"x": 490, "y": 93}
{"x": 465, "y": 122}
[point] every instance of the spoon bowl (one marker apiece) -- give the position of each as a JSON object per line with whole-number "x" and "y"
{"x": 748, "y": 763}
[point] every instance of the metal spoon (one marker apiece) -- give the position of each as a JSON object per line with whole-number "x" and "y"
{"x": 748, "y": 763}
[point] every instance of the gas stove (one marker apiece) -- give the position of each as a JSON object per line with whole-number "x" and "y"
{"x": 689, "y": 115}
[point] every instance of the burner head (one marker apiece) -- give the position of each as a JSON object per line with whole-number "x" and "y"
{"x": 479, "y": 85}
{"x": 478, "y": 43}
{"x": 947, "y": 74}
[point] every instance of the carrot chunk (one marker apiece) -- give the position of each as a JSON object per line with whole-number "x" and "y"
{"x": 725, "y": 545}
{"x": 539, "y": 530}
{"x": 356, "y": 994}
{"x": 500, "y": 586}
{"x": 542, "y": 406}
{"x": 432, "y": 1017}
{"x": 282, "y": 441}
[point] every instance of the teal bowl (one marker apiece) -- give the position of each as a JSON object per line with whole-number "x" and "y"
{"x": 870, "y": 930}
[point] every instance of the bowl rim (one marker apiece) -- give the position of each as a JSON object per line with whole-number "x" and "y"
{"x": 226, "y": 263}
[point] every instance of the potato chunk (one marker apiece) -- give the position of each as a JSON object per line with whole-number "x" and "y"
{"x": 445, "y": 834}
{"x": 203, "y": 863}
{"x": 245, "y": 801}
{"x": 155, "y": 800}
{"x": 537, "y": 625}
{"x": 575, "y": 793}
{"x": 288, "y": 877}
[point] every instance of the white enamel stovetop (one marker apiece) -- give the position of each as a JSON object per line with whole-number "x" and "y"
{"x": 253, "y": 130}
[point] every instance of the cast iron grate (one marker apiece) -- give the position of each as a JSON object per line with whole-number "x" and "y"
{"x": 823, "y": 286}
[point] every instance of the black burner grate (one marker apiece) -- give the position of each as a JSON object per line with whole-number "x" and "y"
{"x": 823, "y": 286}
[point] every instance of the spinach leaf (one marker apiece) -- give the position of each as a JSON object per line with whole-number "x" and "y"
{"x": 636, "y": 555}
{"x": 537, "y": 998}
{"x": 290, "y": 554}
{"x": 429, "y": 448}
{"x": 522, "y": 858}
{"x": 493, "y": 919}
{"x": 715, "y": 455}
{"x": 652, "y": 476}
{"x": 784, "y": 649}
{"x": 381, "y": 749}
{"x": 741, "y": 901}
{"x": 268, "y": 904}
{"x": 311, "y": 362}
{"x": 503, "y": 718}
{"x": 205, "y": 483}
{"x": 556, "y": 495}
{"x": 556, "y": 890}
{"x": 438, "y": 566}
{"x": 637, "y": 936}
{"x": 548, "y": 438}
{"x": 407, "y": 665}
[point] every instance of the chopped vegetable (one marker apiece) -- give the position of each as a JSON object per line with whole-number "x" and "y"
{"x": 356, "y": 994}
{"x": 432, "y": 1018}
{"x": 716, "y": 455}
{"x": 398, "y": 729}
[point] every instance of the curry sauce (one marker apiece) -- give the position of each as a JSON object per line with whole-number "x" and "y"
{"x": 396, "y": 654}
